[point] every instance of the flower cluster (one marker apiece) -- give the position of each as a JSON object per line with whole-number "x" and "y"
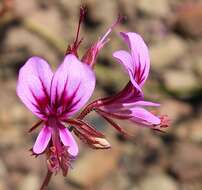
{"x": 55, "y": 98}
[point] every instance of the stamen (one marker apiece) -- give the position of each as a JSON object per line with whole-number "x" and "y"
{"x": 104, "y": 39}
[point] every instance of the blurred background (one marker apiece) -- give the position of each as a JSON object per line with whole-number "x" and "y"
{"x": 147, "y": 161}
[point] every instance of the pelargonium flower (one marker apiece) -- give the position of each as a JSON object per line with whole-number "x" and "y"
{"x": 53, "y": 98}
{"x": 56, "y": 97}
{"x": 129, "y": 103}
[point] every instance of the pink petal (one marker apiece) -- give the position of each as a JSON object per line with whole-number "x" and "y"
{"x": 68, "y": 140}
{"x": 144, "y": 117}
{"x": 72, "y": 86}
{"x": 33, "y": 86}
{"x": 42, "y": 140}
{"x": 140, "y": 56}
{"x": 125, "y": 59}
{"x": 141, "y": 103}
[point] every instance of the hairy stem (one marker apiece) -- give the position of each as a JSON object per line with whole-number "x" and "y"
{"x": 46, "y": 180}
{"x": 87, "y": 109}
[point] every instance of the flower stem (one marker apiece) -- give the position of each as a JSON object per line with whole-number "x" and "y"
{"x": 87, "y": 109}
{"x": 46, "y": 180}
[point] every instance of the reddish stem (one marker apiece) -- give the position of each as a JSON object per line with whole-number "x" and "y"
{"x": 46, "y": 180}
{"x": 81, "y": 18}
{"x": 73, "y": 48}
{"x": 95, "y": 104}
{"x": 88, "y": 109}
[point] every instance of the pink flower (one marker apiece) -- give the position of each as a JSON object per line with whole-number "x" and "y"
{"x": 129, "y": 104}
{"x": 56, "y": 97}
{"x": 53, "y": 98}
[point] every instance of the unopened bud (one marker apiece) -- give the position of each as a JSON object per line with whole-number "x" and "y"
{"x": 101, "y": 143}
